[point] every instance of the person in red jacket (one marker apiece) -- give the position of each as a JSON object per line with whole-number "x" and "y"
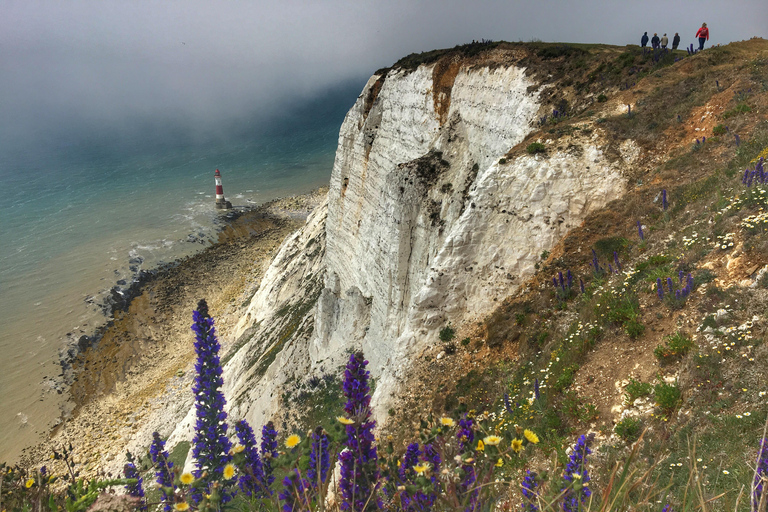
{"x": 703, "y": 35}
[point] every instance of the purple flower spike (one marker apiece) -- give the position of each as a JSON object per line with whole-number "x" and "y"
{"x": 164, "y": 471}
{"x": 554, "y": 282}
{"x": 359, "y": 470}
{"x": 746, "y": 175}
{"x": 677, "y": 294}
{"x": 252, "y": 481}
{"x": 669, "y": 285}
{"x": 761, "y": 474}
{"x": 294, "y": 495}
{"x": 738, "y": 139}
{"x": 465, "y": 434}
{"x": 319, "y": 460}
{"x": 268, "y": 451}
{"x": 703, "y": 140}
{"x": 616, "y": 260}
{"x": 581, "y": 285}
{"x": 610, "y": 269}
{"x": 680, "y": 275}
{"x": 659, "y": 288}
{"x": 530, "y": 494}
{"x": 576, "y": 468}
{"x": 640, "y": 230}
{"x": 664, "y": 199}
{"x": 210, "y": 445}
{"x": 136, "y": 490}
{"x": 569, "y": 277}
{"x": 562, "y": 283}
{"x": 667, "y": 508}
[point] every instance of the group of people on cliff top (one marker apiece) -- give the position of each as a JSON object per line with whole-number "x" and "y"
{"x": 662, "y": 42}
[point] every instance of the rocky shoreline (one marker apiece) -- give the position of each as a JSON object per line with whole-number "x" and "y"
{"x": 134, "y": 376}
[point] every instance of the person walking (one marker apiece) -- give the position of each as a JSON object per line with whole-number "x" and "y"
{"x": 676, "y": 41}
{"x": 664, "y": 42}
{"x": 655, "y": 40}
{"x": 703, "y": 35}
{"x": 644, "y": 40}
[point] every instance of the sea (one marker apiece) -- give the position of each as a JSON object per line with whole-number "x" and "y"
{"x": 85, "y": 212}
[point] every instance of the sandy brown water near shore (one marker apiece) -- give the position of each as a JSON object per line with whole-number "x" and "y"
{"x": 146, "y": 353}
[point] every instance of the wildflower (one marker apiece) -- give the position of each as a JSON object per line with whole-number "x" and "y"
{"x": 447, "y": 422}
{"x": 238, "y": 448}
{"x": 344, "y": 421}
{"x": 29, "y": 483}
{"x": 359, "y": 471}
{"x": 137, "y": 489}
{"x": 210, "y": 445}
{"x": 726, "y": 472}
{"x": 761, "y": 474}
{"x": 659, "y": 288}
{"x": 228, "y": 472}
{"x": 182, "y": 506}
{"x": 268, "y": 450}
{"x": 465, "y": 434}
{"x": 528, "y": 486}
{"x": 577, "y": 465}
{"x": 517, "y": 445}
{"x": 664, "y": 199}
{"x": 421, "y": 468}
{"x": 318, "y": 458}
{"x": 480, "y": 445}
{"x": 251, "y": 480}
{"x": 492, "y": 440}
{"x": 187, "y": 478}
{"x": 292, "y": 441}
{"x": 640, "y": 230}
{"x": 531, "y": 436}
{"x": 294, "y": 493}
{"x": 163, "y": 472}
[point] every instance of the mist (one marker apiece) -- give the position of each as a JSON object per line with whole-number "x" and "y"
{"x": 75, "y": 70}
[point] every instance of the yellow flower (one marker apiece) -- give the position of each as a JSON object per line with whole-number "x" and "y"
{"x": 229, "y": 471}
{"x": 343, "y": 420}
{"x": 447, "y": 422}
{"x": 530, "y": 436}
{"x": 499, "y": 463}
{"x": 480, "y": 445}
{"x": 187, "y": 478}
{"x": 292, "y": 441}
{"x": 421, "y": 468}
{"x": 238, "y": 448}
{"x": 30, "y": 482}
{"x": 517, "y": 445}
{"x": 492, "y": 440}
{"x": 181, "y": 507}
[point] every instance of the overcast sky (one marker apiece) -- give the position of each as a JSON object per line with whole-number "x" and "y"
{"x": 114, "y": 63}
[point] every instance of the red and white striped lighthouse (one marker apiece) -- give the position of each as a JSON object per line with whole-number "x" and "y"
{"x": 221, "y": 203}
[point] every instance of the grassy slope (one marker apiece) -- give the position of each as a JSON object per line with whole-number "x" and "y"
{"x": 584, "y": 348}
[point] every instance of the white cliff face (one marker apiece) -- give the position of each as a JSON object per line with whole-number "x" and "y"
{"x": 424, "y": 225}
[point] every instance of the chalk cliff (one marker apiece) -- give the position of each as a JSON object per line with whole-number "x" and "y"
{"x": 435, "y": 213}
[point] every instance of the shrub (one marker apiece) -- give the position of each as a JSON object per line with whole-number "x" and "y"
{"x": 565, "y": 379}
{"x": 535, "y": 147}
{"x": 637, "y": 389}
{"x": 676, "y": 346}
{"x": 667, "y": 397}
{"x": 447, "y": 333}
{"x": 628, "y": 429}
{"x": 719, "y": 130}
{"x": 602, "y": 98}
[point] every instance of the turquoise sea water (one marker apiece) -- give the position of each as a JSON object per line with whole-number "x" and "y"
{"x": 82, "y": 213}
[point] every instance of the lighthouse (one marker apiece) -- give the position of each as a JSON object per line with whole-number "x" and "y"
{"x": 221, "y": 203}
